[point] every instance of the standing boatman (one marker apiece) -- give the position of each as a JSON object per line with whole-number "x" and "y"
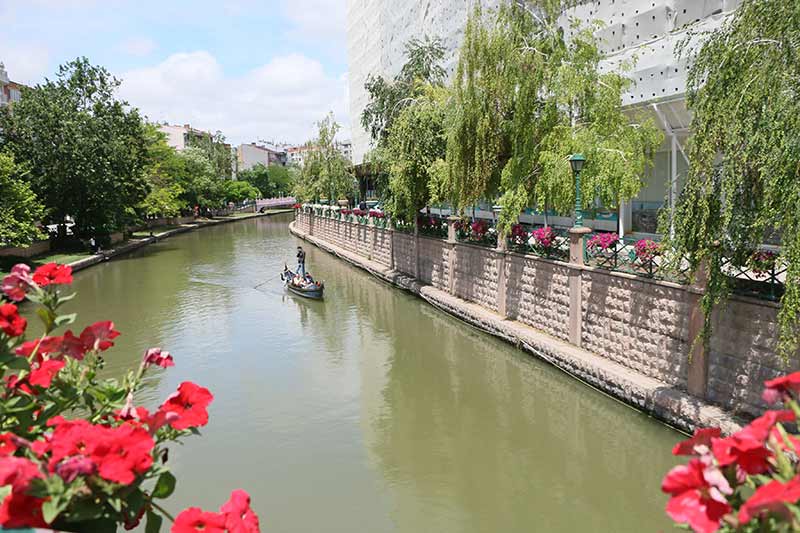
{"x": 301, "y": 261}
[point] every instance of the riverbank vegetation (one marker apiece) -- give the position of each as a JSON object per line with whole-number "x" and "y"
{"x": 110, "y": 169}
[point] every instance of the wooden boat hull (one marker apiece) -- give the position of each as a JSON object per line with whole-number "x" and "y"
{"x": 315, "y": 293}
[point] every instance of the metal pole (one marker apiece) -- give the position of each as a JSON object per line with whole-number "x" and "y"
{"x": 578, "y": 201}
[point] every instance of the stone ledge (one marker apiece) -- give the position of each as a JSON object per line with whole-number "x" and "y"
{"x": 659, "y": 399}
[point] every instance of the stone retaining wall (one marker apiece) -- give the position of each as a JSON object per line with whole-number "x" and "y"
{"x": 641, "y": 324}
{"x": 37, "y": 248}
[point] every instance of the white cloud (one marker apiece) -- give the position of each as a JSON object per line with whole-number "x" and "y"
{"x": 27, "y": 63}
{"x": 317, "y": 19}
{"x": 277, "y": 101}
{"x": 138, "y": 46}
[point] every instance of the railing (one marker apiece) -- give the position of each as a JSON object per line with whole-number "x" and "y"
{"x": 547, "y": 242}
{"x": 271, "y": 203}
{"x": 762, "y": 276}
{"x": 641, "y": 257}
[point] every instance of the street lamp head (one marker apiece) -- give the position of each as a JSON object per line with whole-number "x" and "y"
{"x": 577, "y": 161}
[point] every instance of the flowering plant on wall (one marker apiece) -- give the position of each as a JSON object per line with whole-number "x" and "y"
{"x": 76, "y": 452}
{"x": 478, "y": 229}
{"x": 602, "y": 241}
{"x": 297, "y": 206}
{"x": 519, "y": 236}
{"x": 748, "y": 481}
{"x": 646, "y": 249}
{"x": 762, "y": 262}
{"x": 544, "y": 237}
{"x": 374, "y": 213}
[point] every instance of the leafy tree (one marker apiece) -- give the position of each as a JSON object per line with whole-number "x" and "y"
{"x": 525, "y": 98}
{"x": 281, "y": 179}
{"x": 217, "y": 151}
{"x": 744, "y": 176}
{"x": 415, "y": 146}
{"x": 199, "y": 180}
{"x": 239, "y": 191}
{"x": 164, "y": 172}
{"x": 20, "y": 210}
{"x": 326, "y": 172}
{"x": 386, "y": 99}
{"x": 259, "y": 177}
{"x": 86, "y": 150}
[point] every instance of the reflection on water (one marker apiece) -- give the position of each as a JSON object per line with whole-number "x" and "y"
{"x": 369, "y": 411}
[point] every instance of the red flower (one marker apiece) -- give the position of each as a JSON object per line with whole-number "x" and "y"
{"x": 8, "y": 444}
{"x": 18, "y": 509}
{"x": 11, "y": 323}
{"x": 195, "y": 519}
{"x": 698, "y": 444}
{"x": 239, "y": 517}
{"x": 45, "y": 346}
{"x": 746, "y": 448}
{"x": 72, "y": 346}
{"x": 778, "y": 387}
{"x": 155, "y": 356}
{"x": 42, "y": 374}
{"x": 123, "y": 453}
{"x": 53, "y": 274}
{"x": 696, "y": 498}
{"x": 18, "y": 282}
{"x": 771, "y": 498}
{"x": 189, "y": 403}
{"x": 71, "y": 468}
{"x": 98, "y": 336}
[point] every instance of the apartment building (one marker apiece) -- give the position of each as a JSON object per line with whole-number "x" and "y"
{"x": 10, "y": 91}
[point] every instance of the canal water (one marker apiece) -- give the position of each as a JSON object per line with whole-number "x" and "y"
{"x": 370, "y": 411}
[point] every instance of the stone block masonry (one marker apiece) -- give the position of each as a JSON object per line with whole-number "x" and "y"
{"x": 640, "y": 327}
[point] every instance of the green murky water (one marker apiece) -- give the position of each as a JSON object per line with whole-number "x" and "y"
{"x": 370, "y": 411}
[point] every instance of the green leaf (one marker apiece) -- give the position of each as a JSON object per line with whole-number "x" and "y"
{"x": 153, "y": 522}
{"x": 84, "y": 509}
{"x": 116, "y": 504}
{"x": 68, "y": 297}
{"x": 19, "y": 363}
{"x": 164, "y": 486}
{"x": 53, "y": 507}
{"x": 65, "y": 319}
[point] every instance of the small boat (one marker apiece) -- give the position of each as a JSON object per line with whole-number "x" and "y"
{"x": 313, "y": 290}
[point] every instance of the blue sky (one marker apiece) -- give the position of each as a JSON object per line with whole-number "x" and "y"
{"x": 255, "y": 69}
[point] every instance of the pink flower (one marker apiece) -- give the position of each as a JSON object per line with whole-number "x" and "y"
{"x": 771, "y": 498}
{"x": 544, "y": 236}
{"x": 781, "y": 387}
{"x": 18, "y": 282}
{"x": 747, "y": 447}
{"x": 696, "y": 499}
{"x": 239, "y": 517}
{"x": 75, "y": 466}
{"x": 155, "y": 356}
{"x": 699, "y": 444}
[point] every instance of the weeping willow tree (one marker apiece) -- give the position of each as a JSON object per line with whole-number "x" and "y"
{"x": 326, "y": 171}
{"x": 526, "y": 98}
{"x": 744, "y": 178}
{"x": 415, "y": 149}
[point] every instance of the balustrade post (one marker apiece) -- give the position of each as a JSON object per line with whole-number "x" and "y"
{"x": 697, "y": 371}
{"x": 501, "y": 251}
{"x": 416, "y": 248}
{"x": 576, "y": 258}
{"x": 451, "y": 257}
{"x": 390, "y": 229}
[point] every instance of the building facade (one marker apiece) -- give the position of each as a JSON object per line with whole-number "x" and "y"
{"x": 648, "y": 30}
{"x": 297, "y": 155}
{"x": 250, "y": 155}
{"x": 180, "y": 138}
{"x": 10, "y": 91}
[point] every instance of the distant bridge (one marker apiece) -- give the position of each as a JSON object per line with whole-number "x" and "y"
{"x": 273, "y": 203}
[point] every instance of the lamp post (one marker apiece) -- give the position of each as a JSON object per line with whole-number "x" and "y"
{"x": 577, "y": 161}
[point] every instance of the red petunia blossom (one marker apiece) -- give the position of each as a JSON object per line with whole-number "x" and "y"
{"x": 194, "y": 519}
{"x": 98, "y": 336}
{"x": 696, "y": 499}
{"x": 771, "y": 498}
{"x": 17, "y": 283}
{"x": 747, "y": 447}
{"x": 45, "y": 346}
{"x": 786, "y": 442}
{"x": 239, "y": 517}
{"x": 780, "y": 387}
{"x": 699, "y": 444}
{"x": 11, "y": 323}
{"x": 19, "y": 509}
{"x": 42, "y": 374}
{"x": 8, "y": 444}
{"x": 72, "y": 346}
{"x": 189, "y": 403}
{"x": 157, "y": 356}
{"x": 53, "y": 274}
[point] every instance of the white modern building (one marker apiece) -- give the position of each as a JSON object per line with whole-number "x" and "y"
{"x": 647, "y": 29}
{"x": 250, "y": 155}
